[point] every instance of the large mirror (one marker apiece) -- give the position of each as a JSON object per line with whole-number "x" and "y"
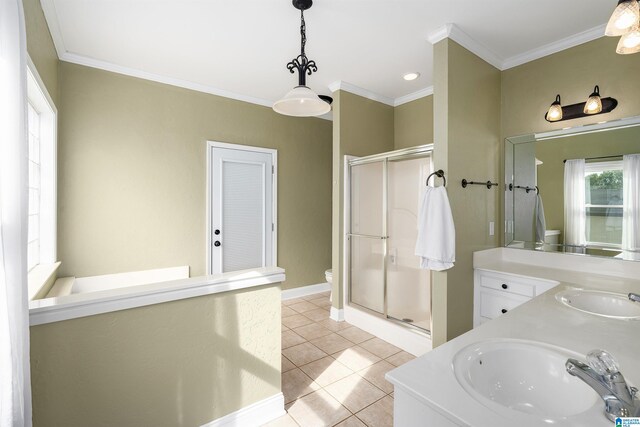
{"x": 575, "y": 190}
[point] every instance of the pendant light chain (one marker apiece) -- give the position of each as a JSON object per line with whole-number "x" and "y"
{"x": 301, "y": 63}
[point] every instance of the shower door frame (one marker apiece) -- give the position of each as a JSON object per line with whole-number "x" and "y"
{"x": 396, "y": 155}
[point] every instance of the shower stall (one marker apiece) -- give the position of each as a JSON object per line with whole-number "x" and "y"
{"x": 383, "y": 276}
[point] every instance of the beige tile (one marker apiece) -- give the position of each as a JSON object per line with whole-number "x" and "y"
{"x": 302, "y": 354}
{"x": 321, "y": 302}
{"x": 318, "y": 409}
{"x": 352, "y": 421}
{"x": 303, "y": 306}
{"x": 400, "y": 358}
{"x": 317, "y": 315}
{"x": 296, "y": 321}
{"x": 286, "y": 311}
{"x": 355, "y": 335}
{"x": 326, "y": 371}
{"x": 312, "y": 331}
{"x": 332, "y": 343}
{"x": 334, "y": 326}
{"x": 290, "y": 338}
{"x": 375, "y": 375}
{"x": 287, "y": 364}
{"x": 354, "y": 392}
{"x": 312, "y": 296}
{"x": 379, "y": 347}
{"x": 283, "y": 421}
{"x": 380, "y": 414}
{"x": 289, "y": 302}
{"x": 295, "y": 384}
{"x": 284, "y": 328}
{"x": 356, "y": 358}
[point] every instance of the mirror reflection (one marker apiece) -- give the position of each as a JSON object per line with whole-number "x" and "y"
{"x": 576, "y": 193}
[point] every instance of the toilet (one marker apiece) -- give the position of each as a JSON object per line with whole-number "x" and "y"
{"x": 329, "y": 276}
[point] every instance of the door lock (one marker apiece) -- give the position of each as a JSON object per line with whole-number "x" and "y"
{"x": 216, "y": 243}
{"x": 216, "y": 232}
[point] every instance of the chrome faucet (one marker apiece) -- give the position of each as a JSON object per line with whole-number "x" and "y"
{"x": 634, "y": 297}
{"x": 602, "y": 374}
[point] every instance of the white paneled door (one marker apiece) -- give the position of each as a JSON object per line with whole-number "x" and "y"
{"x": 242, "y": 200}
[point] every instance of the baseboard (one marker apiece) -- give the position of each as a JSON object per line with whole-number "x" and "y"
{"x": 304, "y": 291}
{"x": 398, "y": 335}
{"x": 337, "y": 314}
{"x": 256, "y": 414}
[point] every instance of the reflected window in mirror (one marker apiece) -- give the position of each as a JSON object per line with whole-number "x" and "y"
{"x": 604, "y": 203}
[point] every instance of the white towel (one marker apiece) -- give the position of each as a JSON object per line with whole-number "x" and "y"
{"x": 436, "y": 245}
{"x": 541, "y": 225}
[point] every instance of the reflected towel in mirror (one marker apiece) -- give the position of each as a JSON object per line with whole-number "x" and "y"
{"x": 541, "y": 224}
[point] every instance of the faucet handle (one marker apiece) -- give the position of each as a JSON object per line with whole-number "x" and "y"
{"x": 602, "y": 362}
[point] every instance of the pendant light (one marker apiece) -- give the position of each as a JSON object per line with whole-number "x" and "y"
{"x": 624, "y": 17}
{"x": 594, "y": 103}
{"x": 555, "y": 111}
{"x": 302, "y": 101}
{"x": 630, "y": 42}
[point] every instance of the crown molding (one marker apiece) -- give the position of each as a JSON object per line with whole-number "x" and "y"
{"x": 51, "y": 16}
{"x": 555, "y": 47}
{"x": 357, "y": 90}
{"x": 107, "y": 66}
{"x": 454, "y": 32}
{"x": 428, "y": 91}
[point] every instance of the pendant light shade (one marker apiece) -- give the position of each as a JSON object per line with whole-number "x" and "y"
{"x": 301, "y": 102}
{"x": 630, "y": 42}
{"x": 555, "y": 111}
{"x": 625, "y": 16}
{"x": 594, "y": 103}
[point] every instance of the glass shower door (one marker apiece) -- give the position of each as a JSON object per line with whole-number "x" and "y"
{"x": 408, "y": 286}
{"x": 367, "y": 237}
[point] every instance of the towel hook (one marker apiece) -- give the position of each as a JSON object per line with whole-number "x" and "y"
{"x": 440, "y": 174}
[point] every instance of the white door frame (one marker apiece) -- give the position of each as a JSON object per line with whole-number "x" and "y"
{"x": 274, "y": 203}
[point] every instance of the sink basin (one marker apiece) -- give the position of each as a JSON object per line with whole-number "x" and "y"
{"x": 516, "y": 377}
{"x": 600, "y": 303}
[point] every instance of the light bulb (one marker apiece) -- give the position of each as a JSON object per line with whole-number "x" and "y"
{"x": 594, "y": 103}
{"x": 411, "y": 76}
{"x": 555, "y": 111}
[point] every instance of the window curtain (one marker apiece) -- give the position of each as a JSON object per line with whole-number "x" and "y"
{"x": 631, "y": 202}
{"x": 15, "y": 389}
{"x": 575, "y": 213}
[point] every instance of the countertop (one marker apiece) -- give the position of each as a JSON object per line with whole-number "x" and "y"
{"x": 431, "y": 379}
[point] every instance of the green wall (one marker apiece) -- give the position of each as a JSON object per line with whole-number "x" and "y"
{"x": 413, "y": 123}
{"x": 181, "y": 363}
{"x": 467, "y": 145}
{"x": 40, "y": 46}
{"x": 132, "y": 175}
{"x": 529, "y": 89}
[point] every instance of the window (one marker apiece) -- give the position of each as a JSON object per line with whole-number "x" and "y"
{"x": 603, "y": 197}
{"x": 41, "y": 117}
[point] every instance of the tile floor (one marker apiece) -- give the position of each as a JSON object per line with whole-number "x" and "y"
{"x": 333, "y": 373}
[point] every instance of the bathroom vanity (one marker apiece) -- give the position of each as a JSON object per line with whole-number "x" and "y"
{"x": 511, "y": 370}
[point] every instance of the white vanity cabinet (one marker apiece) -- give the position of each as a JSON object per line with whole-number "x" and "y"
{"x": 496, "y": 293}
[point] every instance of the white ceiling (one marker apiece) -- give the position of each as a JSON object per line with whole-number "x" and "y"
{"x": 240, "y": 48}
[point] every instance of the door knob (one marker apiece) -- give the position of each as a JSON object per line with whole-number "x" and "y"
{"x": 216, "y": 243}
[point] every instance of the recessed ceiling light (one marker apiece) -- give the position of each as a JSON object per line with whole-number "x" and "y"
{"x": 411, "y": 76}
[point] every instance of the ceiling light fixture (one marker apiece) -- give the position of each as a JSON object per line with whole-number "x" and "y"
{"x": 302, "y": 101}
{"x": 625, "y": 22}
{"x": 594, "y": 105}
{"x": 411, "y": 76}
